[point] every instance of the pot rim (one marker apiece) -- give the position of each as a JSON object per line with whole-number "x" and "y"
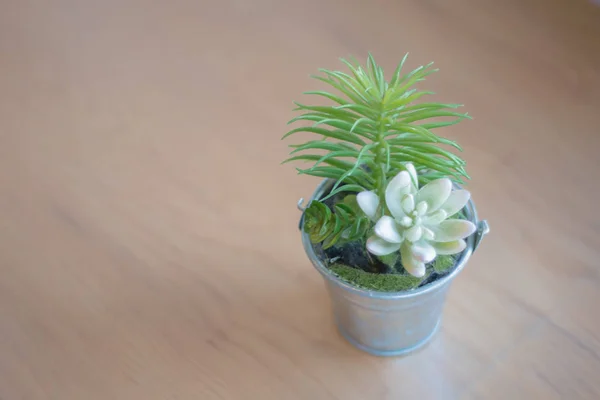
{"x": 472, "y": 244}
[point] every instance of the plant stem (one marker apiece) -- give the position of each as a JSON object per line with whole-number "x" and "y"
{"x": 380, "y": 162}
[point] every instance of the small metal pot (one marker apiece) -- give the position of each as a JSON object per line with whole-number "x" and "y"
{"x": 389, "y": 323}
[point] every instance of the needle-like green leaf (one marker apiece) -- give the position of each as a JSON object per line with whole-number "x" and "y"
{"x": 368, "y": 132}
{"x": 334, "y": 134}
{"x": 322, "y": 145}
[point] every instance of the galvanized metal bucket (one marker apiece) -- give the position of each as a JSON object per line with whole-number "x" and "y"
{"x": 383, "y": 323}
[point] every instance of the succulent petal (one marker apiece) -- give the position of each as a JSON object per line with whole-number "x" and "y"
{"x": 428, "y": 234}
{"x": 421, "y": 208}
{"x": 398, "y": 187}
{"x": 435, "y": 193}
{"x": 368, "y": 202}
{"x": 456, "y": 201}
{"x": 380, "y": 247}
{"x": 414, "y": 233}
{"x": 386, "y": 229}
{"x": 435, "y": 218}
{"x": 453, "y": 247}
{"x": 411, "y": 265}
{"x": 453, "y": 229}
{"x": 408, "y": 203}
{"x": 406, "y": 221}
{"x": 423, "y": 251}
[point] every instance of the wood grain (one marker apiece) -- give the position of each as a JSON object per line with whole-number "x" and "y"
{"x": 148, "y": 235}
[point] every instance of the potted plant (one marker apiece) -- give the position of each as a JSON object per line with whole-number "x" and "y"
{"x": 389, "y": 227}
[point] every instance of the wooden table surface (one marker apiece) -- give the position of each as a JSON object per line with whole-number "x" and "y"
{"x": 148, "y": 234}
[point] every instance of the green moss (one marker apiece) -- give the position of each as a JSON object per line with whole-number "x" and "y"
{"x": 443, "y": 263}
{"x": 372, "y": 281}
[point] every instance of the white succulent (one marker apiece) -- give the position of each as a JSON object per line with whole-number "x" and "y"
{"x": 418, "y": 225}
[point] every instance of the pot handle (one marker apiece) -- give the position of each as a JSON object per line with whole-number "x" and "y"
{"x": 482, "y": 229}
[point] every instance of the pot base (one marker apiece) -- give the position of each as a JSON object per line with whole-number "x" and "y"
{"x": 388, "y": 353}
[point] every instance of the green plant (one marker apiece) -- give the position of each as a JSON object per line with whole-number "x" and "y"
{"x": 371, "y": 131}
{"x": 417, "y": 225}
{"x": 346, "y": 223}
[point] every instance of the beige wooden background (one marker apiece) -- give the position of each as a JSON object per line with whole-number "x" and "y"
{"x": 140, "y": 143}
